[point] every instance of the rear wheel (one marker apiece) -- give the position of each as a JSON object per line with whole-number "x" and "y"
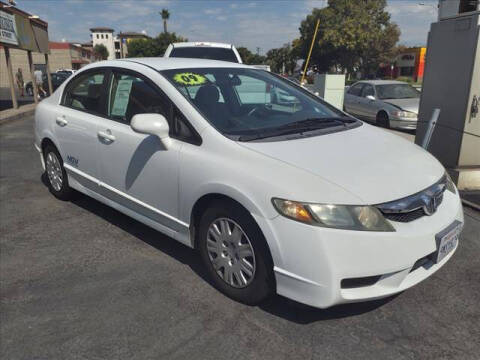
{"x": 57, "y": 179}
{"x": 235, "y": 253}
{"x": 383, "y": 120}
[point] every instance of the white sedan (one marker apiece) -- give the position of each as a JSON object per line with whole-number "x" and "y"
{"x": 295, "y": 197}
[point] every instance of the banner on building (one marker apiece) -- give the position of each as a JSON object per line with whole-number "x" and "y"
{"x": 8, "y": 32}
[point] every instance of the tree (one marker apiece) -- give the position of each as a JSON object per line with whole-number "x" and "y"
{"x": 283, "y": 59}
{"x": 101, "y": 51}
{"x": 250, "y": 58}
{"x": 353, "y": 36}
{"x": 153, "y": 47}
{"x": 165, "y": 16}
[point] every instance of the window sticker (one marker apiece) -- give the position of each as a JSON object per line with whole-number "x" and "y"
{"x": 122, "y": 95}
{"x": 188, "y": 78}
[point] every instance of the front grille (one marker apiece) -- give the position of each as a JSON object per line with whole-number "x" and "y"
{"x": 405, "y": 217}
{"x": 415, "y": 206}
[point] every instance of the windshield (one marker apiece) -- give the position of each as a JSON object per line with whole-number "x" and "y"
{"x": 253, "y": 104}
{"x": 202, "y": 52}
{"x": 397, "y": 91}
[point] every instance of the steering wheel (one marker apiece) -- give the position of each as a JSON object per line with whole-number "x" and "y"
{"x": 261, "y": 108}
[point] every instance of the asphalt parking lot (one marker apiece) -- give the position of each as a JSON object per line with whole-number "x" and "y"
{"x": 79, "y": 280}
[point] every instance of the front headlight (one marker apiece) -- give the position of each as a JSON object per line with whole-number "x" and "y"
{"x": 405, "y": 114}
{"x": 347, "y": 217}
{"x": 450, "y": 184}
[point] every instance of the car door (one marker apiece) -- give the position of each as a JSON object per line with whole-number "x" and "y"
{"x": 137, "y": 171}
{"x": 367, "y": 106}
{"x": 352, "y": 99}
{"x": 81, "y": 108}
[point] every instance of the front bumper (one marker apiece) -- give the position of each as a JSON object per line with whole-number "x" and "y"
{"x": 403, "y": 124}
{"x": 311, "y": 261}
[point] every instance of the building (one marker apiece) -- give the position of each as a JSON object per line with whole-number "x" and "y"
{"x": 410, "y": 64}
{"x": 63, "y": 55}
{"x": 124, "y": 38}
{"x": 117, "y": 46}
{"x": 104, "y": 36}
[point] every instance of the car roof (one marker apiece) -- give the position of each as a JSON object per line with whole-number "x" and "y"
{"x": 202, "y": 43}
{"x": 381, "y": 82}
{"x": 161, "y": 63}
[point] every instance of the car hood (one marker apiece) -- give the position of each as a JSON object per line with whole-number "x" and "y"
{"x": 371, "y": 163}
{"x": 405, "y": 104}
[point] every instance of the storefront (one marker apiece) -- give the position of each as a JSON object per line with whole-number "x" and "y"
{"x": 23, "y": 31}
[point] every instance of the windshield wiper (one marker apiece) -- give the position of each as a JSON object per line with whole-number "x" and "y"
{"x": 296, "y": 127}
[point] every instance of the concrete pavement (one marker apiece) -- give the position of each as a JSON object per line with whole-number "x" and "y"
{"x": 79, "y": 280}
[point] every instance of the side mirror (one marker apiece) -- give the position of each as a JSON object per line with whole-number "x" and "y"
{"x": 370, "y": 97}
{"x": 152, "y": 124}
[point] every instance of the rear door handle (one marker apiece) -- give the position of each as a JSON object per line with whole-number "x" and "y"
{"x": 61, "y": 121}
{"x": 106, "y": 135}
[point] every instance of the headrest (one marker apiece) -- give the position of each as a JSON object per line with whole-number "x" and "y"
{"x": 94, "y": 90}
{"x": 207, "y": 94}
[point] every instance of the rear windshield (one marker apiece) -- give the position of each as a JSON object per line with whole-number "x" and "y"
{"x": 202, "y": 52}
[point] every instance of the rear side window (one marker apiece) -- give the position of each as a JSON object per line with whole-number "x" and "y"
{"x": 203, "y": 52}
{"x": 85, "y": 92}
{"x": 356, "y": 89}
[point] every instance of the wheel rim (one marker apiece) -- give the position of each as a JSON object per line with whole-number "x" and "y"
{"x": 231, "y": 253}
{"x": 54, "y": 171}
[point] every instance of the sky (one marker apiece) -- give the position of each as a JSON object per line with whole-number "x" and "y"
{"x": 263, "y": 24}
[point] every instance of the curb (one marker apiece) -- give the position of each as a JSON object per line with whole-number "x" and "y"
{"x": 17, "y": 116}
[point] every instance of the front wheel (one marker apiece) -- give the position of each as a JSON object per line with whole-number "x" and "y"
{"x": 383, "y": 120}
{"x": 235, "y": 253}
{"x": 56, "y": 175}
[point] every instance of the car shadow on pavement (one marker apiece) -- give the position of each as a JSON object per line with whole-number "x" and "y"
{"x": 276, "y": 305}
{"x": 303, "y": 314}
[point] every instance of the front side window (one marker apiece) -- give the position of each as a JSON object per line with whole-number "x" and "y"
{"x": 249, "y": 103}
{"x": 130, "y": 95}
{"x": 368, "y": 91}
{"x": 84, "y": 92}
{"x": 356, "y": 89}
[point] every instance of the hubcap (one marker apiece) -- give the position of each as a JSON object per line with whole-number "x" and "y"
{"x": 54, "y": 171}
{"x": 231, "y": 253}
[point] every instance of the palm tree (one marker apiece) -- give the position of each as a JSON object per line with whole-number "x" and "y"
{"x": 165, "y": 16}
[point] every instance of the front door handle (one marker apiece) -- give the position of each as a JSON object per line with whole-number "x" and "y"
{"x": 106, "y": 135}
{"x": 61, "y": 121}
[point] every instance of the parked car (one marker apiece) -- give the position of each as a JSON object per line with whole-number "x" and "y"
{"x": 296, "y": 198}
{"x": 387, "y": 103}
{"x": 57, "y": 80}
{"x": 204, "y": 50}
{"x": 66, "y": 71}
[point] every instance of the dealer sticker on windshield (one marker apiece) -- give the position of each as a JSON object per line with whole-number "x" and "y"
{"x": 189, "y": 78}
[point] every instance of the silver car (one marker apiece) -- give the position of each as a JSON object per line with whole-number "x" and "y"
{"x": 388, "y": 103}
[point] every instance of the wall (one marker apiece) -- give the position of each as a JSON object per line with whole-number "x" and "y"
{"x": 109, "y": 43}
{"x": 19, "y": 60}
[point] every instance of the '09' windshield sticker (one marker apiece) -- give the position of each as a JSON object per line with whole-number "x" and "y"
{"x": 188, "y": 78}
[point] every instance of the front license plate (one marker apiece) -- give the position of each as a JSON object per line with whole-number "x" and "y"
{"x": 447, "y": 240}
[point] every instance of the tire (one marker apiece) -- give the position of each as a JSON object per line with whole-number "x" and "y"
{"x": 383, "y": 120}
{"x": 248, "y": 288}
{"x": 55, "y": 174}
